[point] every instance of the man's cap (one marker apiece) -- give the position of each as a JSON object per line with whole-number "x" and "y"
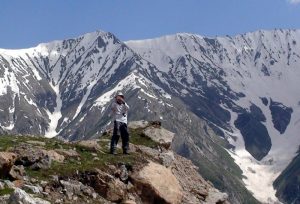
{"x": 120, "y": 94}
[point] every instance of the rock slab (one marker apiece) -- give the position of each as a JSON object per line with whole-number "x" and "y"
{"x": 158, "y": 182}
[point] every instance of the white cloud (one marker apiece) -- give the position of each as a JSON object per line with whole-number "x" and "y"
{"x": 294, "y": 1}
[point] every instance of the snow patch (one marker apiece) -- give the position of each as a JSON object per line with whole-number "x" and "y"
{"x": 55, "y": 116}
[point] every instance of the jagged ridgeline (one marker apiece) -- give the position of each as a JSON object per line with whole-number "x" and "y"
{"x": 40, "y": 170}
{"x": 233, "y": 102}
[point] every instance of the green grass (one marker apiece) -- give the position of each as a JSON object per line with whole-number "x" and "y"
{"x": 138, "y": 138}
{"x": 6, "y": 191}
{"x": 87, "y": 161}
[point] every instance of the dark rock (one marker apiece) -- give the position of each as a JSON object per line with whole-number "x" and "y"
{"x": 281, "y": 116}
{"x": 43, "y": 163}
{"x": 35, "y": 157}
{"x": 255, "y": 134}
{"x": 288, "y": 182}
{"x": 264, "y": 101}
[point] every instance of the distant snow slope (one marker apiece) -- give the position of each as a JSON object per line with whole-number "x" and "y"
{"x": 260, "y": 65}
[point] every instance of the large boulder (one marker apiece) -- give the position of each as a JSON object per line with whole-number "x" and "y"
{"x": 28, "y": 154}
{"x": 20, "y": 196}
{"x": 91, "y": 145}
{"x": 157, "y": 184}
{"x": 138, "y": 124}
{"x": 36, "y": 157}
{"x": 53, "y": 155}
{"x": 7, "y": 160}
{"x": 160, "y": 135}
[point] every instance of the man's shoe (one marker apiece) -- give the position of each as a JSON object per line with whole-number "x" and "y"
{"x": 125, "y": 152}
{"x": 113, "y": 152}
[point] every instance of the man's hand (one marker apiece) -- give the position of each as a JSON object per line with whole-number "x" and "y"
{"x": 120, "y": 99}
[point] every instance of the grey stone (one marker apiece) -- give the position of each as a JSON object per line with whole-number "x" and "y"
{"x": 90, "y": 144}
{"x": 215, "y": 196}
{"x": 73, "y": 187}
{"x": 9, "y": 184}
{"x": 167, "y": 158}
{"x": 21, "y": 197}
{"x": 160, "y": 135}
{"x": 44, "y": 163}
{"x": 2, "y": 185}
{"x": 138, "y": 124}
{"x": 123, "y": 173}
{"x": 17, "y": 172}
{"x": 33, "y": 189}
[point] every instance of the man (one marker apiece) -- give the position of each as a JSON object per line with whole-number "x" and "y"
{"x": 119, "y": 109}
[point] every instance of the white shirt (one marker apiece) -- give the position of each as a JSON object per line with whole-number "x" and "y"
{"x": 120, "y": 112}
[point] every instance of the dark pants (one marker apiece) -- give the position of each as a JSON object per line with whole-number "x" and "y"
{"x": 121, "y": 128}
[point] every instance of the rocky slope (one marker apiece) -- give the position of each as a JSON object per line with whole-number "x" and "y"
{"x": 288, "y": 182}
{"x": 39, "y": 170}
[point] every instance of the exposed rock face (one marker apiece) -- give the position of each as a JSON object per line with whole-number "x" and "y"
{"x": 7, "y": 160}
{"x": 160, "y": 135}
{"x": 287, "y": 184}
{"x": 255, "y": 134}
{"x": 158, "y": 184}
{"x": 281, "y": 116}
{"x": 19, "y": 196}
{"x": 195, "y": 188}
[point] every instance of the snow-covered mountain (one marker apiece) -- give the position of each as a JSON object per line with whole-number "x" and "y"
{"x": 244, "y": 89}
{"x": 247, "y": 86}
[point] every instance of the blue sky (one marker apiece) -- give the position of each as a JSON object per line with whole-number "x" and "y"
{"x": 27, "y": 23}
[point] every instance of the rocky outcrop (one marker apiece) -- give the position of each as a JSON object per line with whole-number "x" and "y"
{"x": 21, "y": 197}
{"x": 84, "y": 172}
{"x": 7, "y": 160}
{"x": 160, "y": 135}
{"x": 138, "y": 124}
